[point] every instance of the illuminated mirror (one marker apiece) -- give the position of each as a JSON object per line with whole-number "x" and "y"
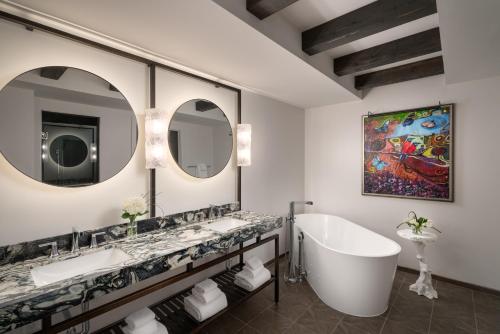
{"x": 66, "y": 127}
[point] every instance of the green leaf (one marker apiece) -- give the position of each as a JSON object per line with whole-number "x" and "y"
{"x": 422, "y": 220}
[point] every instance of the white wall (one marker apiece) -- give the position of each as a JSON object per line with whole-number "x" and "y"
{"x": 276, "y": 175}
{"x": 45, "y": 213}
{"x": 178, "y": 191}
{"x": 32, "y": 210}
{"x": 468, "y": 248}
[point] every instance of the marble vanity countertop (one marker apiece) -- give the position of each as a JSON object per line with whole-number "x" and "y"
{"x": 151, "y": 253}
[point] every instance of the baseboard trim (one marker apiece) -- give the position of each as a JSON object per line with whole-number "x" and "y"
{"x": 439, "y": 278}
{"x": 453, "y": 281}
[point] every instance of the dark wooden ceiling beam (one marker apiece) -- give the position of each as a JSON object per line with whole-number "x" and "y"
{"x": 203, "y": 105}
{"x": 265, "y": 8}
{"x": 405, "y": 48}
{"x": 416, "y": 70}
{"x": 365, "y": 21}
{"x": 52, "y": 72}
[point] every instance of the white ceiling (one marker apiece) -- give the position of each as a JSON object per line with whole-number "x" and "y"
{"x": 470, "y": 36}
{"x": 221, "y": 39}
{"x": 285, "y": 27}
{"x": 470, "y": 33}
{"x": 204, "y": 37}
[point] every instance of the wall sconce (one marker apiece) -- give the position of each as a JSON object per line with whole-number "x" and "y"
{"x": 244, "y": 144}
{"x": 44, "y": 149}
{"x": 93, "y": 152}
{"x": 156, "y": 126}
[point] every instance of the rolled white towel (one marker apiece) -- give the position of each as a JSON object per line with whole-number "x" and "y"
{"x": 254, "y": 263}
{"x": 149, "y": 328}
{"x": 205, "y": 286}
{"x": 206, "y": 297}
{"x": 201, "y": 311}
{"x": 140, "y": 318}
{"x": 249, "y": 273}
{"x": 252, "y": 284}
{"x": 161, "y": 329}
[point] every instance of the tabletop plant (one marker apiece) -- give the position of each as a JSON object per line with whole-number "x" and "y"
{"x": 417, "y": 224}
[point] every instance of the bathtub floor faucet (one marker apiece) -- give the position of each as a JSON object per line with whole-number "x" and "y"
{"x": 294, "y": 275}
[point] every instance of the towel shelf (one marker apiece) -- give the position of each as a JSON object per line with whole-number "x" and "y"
{"x": 171, "y": 313}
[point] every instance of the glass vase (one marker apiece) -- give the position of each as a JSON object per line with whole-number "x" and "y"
{"x": 416, "y": 230}
{"x": 132, "y": 228}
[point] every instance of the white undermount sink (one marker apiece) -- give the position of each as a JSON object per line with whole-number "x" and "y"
{"x": 226, "y": 224}
{"x": 83, "y": 264}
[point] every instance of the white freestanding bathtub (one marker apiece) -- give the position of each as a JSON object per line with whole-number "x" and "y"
{"x": 349, "y": 267}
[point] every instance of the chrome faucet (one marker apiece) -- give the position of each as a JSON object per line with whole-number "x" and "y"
{"x": 215, "y": 212}
{"x": 93, "y": 239}
{"x": 219, "y": 212}
{"x": 211, "y": 212}
{"x": 75, "y": 246}
{"x": 293, "y": 277}
{"x": 199, "y": 216}
{"x": 53, "y": 252}
{"x": 291, "y": 213}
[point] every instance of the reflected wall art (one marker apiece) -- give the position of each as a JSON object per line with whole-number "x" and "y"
{"x": 409, "y": 154}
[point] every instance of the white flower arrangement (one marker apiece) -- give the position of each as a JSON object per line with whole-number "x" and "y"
{"x": 417, "y": 224}
{"x": 134, "y": 206}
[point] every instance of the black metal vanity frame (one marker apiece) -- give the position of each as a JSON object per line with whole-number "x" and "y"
{"x": 179, "y": 321}
{"x": 32, "y": 25}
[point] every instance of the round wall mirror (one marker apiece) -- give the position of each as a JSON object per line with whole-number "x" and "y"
{"x": 68, "y": 151}
{"x": 200, "y": 138}
{"x": 66, "y": 127}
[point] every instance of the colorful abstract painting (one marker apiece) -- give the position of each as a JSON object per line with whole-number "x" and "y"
{"x": 409, "y": 153}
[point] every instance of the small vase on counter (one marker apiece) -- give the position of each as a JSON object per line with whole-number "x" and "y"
{"x": 132, "y": 208}
{"x": 132, "y": 228}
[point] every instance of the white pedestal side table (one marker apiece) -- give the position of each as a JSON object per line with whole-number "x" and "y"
{"x": 423, "y": 285}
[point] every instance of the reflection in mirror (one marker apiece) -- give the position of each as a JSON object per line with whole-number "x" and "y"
{"x": 66, "y": 127}
{"x": 200, "y": 138}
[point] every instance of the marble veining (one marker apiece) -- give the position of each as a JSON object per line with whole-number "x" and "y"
{"x": 152, "y": 253}
{"x": 30, "y": 250}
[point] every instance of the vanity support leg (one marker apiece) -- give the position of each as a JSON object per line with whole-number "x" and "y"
{"x": 46, "y": 322}
{"x": 241, "y": 255}
{"x": 276, "y": 270}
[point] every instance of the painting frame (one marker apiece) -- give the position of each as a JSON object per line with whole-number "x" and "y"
{"x": 451, "y": 168}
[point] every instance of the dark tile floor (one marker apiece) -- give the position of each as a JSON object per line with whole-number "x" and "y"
{"x": 457, "y": 311}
